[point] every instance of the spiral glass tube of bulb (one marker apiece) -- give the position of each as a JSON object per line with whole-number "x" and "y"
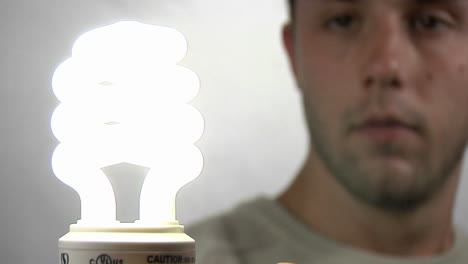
{"x": 124, "y": 98}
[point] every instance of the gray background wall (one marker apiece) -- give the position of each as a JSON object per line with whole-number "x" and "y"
{"x": 254, "y": 141}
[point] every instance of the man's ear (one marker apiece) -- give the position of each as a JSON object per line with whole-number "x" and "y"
{"x": 288, "y": 42}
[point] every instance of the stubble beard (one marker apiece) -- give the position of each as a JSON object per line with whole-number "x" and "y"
{"x": 366, "y": 177}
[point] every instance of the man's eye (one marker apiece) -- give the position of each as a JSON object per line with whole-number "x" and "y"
{"x": 428, "y": 22}
{"x": 341, "y": 21}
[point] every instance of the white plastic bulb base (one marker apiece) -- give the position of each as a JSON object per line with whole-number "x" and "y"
{"x": 126, "y": 244}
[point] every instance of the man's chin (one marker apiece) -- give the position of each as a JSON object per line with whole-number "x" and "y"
{"x": 390, "y": 169}
{"x": 390, "y": 185}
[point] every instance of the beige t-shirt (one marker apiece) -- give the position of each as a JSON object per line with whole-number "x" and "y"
{"x": 262, "y": 232}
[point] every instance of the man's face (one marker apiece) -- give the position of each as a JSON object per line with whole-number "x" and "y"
{"x": 385, "y": 88}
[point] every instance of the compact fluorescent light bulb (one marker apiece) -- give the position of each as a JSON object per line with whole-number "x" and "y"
{"x": 124, "y": 99}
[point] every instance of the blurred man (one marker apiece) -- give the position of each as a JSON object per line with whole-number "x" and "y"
{"x": 385, "y": 92}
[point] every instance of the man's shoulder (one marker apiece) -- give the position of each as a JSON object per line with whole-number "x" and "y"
{"x": 213, "y": 240}
{"x": 461, "y": 244}
{"x": 233, "y": 228}
{"x": 230, "y": 236}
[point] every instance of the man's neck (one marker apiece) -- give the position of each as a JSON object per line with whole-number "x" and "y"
{"x": 323, "y": 204}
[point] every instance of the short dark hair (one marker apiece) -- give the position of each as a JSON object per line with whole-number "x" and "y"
{"x": 292, "y": 4}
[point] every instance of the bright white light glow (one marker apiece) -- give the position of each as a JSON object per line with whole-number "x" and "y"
{"x": 124, "y": 99}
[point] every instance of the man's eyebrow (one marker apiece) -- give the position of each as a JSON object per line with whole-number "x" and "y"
{"x": 436, "y": 1}
{"x": 453, "y": 3}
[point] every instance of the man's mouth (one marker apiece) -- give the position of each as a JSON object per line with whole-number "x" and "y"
{"x": 385, "y": 128}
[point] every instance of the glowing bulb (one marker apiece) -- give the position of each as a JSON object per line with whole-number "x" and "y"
{"x": 124, "y": 99}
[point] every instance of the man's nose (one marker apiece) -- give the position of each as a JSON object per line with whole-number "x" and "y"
{"x": 387, "y": 53}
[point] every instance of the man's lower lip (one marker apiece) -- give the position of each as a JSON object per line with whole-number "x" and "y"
{"x": 385, "y": 133}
